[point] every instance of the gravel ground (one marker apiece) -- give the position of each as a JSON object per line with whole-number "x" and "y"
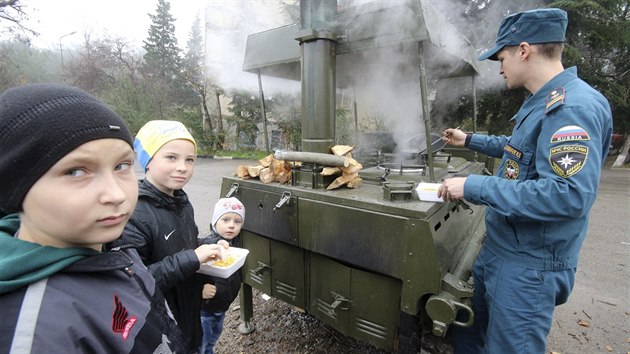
{"x": 282, "y": 328}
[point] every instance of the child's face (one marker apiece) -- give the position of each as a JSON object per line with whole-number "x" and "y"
{"x": 85, "y": 199}
{"x": 229, "y": 225}
{"x": 172, "y": 166}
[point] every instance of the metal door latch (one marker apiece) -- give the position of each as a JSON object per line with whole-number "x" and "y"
{"x": 262, "y": 267}
{"x": 233, "y": 189}
{"x": 340, "y": 302}
{"x": 286, "y": 198}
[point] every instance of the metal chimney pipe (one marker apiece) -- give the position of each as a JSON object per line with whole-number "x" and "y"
{"x": 317, "y": 45}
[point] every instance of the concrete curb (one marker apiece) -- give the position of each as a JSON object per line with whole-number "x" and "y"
{"x": 623, "y": 155}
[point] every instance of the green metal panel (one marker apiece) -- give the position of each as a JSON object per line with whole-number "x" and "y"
{"x": 363, "y": 238}
{"x": 361, "y": 304}
{"x": 287, "y": 274}
{"x": 257, "y": 267}
{"x": 375, "y": 307}
{"x": 264, "y": 218}
{"x": 274, "y": 48}
{"x": 329, "y": 282}
{"x": 275, "y": 268}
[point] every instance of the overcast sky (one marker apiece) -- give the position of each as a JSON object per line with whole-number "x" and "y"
{"x": 125, "y": 18}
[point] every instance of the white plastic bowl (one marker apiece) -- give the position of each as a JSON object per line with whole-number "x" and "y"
{"x": 428, "y": 192}
{"x": 239, "y": 255}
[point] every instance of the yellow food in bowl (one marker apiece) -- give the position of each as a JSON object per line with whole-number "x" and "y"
{"x": 224, "y": 263}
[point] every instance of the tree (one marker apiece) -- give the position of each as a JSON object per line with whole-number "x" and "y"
{"x": 109, "y": 67}
{"x": 245, "y": 109}
{"x": 598, "y": 43}
{"x": 162, "y": 55}
{"x": 286, "y": 110}
{"x": 193, "y": 74}
{"x": 21, "y": 64}
{"x": 12, "y": 17}
{"x": 162, "y": 60}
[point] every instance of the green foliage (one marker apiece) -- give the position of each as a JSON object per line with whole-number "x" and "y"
{"x": 162, "y": 55}
{"x": 344, "y": 127}
{"x": 192, "y": 70}
{"x": 193, "y": 60}
{"x": 21, "y": 64}
{"x": 495, "y": 110}
{"x": 246, "y": 114}
{"x": 598, "y": 43}
{"x": 287, "y": 112}
{"x": 129, "y": 99}
{"x": 163, "y": 63}
{"x": 246, "y": 154}
{"x": 372, "y": 123}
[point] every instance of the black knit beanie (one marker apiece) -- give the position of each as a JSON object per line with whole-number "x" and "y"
{"x": 39, "y": 125}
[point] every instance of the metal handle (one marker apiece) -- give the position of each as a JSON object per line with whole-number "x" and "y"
{"x": 262, "y": 267}
{"x": 471, "y": 315}
{"x": 340, "y": 302}
{"x": 233, "y": 189}
{"x": 286, "y": 198}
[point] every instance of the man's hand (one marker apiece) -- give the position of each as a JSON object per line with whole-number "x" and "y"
{"x": 454, "y": 137}
{"x": 206, "y": 253}
{"x": 452, "y": 189}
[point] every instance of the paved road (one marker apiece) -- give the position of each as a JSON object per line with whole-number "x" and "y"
{"x": 597, "y": 317}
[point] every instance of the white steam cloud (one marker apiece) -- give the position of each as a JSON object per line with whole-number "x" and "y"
{"x": 385, "y": 81}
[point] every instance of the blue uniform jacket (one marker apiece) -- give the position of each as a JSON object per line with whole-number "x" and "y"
{"x": 540, "y": 198}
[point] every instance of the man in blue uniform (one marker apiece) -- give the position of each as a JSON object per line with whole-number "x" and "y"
{"x": 540, "y": 199}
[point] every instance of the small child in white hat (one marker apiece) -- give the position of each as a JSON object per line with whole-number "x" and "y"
{"x": 218, "y": 293}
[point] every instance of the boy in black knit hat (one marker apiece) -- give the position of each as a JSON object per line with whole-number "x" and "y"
{"x": 67, "y": 186}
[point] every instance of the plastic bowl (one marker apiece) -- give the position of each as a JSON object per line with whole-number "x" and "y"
{"x": 215, "y": 268}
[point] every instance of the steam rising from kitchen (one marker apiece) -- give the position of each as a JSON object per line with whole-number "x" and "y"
{"x": 383, "y": 81}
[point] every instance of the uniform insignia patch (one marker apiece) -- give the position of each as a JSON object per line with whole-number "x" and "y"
{"x": 515, "y": 153}
{"x": 570, "y": 133}
{"x": 554, "y": 98}
{"x": 511, "y": 170}
{"x": 567, "y": 160}
{"x": 122, "y": 322}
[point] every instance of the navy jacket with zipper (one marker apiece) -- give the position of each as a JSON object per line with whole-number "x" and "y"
{"x": 164, "y": 232}
{"x": 89, "y": 301}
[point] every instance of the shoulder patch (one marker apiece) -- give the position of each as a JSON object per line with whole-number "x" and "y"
{"x": 567, "y": 160}
{"x": 513, "y": 152}
{"x": 511, "y": 170}
{"x": 555, "y": 99}
{"x": 569, "y": 133}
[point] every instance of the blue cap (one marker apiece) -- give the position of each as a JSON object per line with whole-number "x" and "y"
{"x": 533, "y": 26}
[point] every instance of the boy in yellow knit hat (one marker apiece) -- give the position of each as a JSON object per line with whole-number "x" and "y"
{"x": 163, "y": 228}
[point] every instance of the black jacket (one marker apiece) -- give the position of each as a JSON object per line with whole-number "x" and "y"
{"x": 227, "y": 289}
{"x": 164, "y": 232}
{"x": 100, "y": 303}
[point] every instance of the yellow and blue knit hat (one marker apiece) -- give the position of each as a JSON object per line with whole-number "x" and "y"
{"x": 153, "y": 135}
